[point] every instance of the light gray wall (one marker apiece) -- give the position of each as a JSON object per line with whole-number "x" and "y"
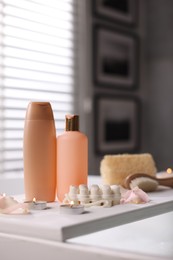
{"x": 155, "y": 86}
{"x": 141, "y": 91}
{"x": 160, "y": 73}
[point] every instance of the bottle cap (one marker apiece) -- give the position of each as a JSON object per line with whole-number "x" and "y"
{"x": 39, "y": 111}
{"x": 72, "y": 123}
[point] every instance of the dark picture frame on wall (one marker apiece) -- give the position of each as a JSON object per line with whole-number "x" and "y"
{"x": 117, "y": 126}
{"x": 115, "y": 58}
{"x": 120, "y": 11}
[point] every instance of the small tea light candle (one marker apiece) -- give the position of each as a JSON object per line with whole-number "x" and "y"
{"x": 165, "y": 174}
{"x": 71, "y": 209}
{"x": 169, "y": 172}
{"x": 36, "y": 204}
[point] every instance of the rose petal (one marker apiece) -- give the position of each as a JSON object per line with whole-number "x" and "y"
{"x": 143, "y": 195}
{"x": 8, "y": 205}
{"x": 134, "y": 196}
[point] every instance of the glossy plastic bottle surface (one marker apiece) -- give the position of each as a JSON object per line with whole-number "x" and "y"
{"x": 39, "y": 152}
{"x": 72, "y": 161}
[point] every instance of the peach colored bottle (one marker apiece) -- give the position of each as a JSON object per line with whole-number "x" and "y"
{"x": 39, "y": 152}
{"x": 72, "y": 157}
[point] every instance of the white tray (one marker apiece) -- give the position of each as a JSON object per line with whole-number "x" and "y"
{"x": 51, "y": 225}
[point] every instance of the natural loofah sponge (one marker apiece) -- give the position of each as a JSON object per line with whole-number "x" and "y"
{"x": 115, "y": 168}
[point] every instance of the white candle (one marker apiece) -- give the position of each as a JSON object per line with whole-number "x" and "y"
{"x": 36, "y": 204}
{"x": 165, "y": 174}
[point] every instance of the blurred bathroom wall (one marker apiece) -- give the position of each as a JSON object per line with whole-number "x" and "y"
{"x": 160, "y": 76}
{"x": 154, "y": 29}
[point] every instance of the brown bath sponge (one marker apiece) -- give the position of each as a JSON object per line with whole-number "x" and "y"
{"x": 115, "y": 168}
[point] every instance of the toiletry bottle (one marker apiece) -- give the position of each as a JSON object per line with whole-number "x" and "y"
{"x": 72, "y": 157}
{"x": 39, "y": 150}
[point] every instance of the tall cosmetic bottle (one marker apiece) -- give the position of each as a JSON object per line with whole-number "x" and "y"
{"x": 72, "y": 157}
{"x": 39, "y": 152}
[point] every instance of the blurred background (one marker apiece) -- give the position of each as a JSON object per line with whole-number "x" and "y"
{"x": 111, "y": 62}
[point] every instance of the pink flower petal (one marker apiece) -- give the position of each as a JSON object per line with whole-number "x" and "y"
{"x": 135, "y": 196}
{"x": 10, "y": 206}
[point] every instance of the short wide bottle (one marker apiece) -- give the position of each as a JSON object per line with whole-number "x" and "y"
{"x": 39, "y": 152}
{"x": 72, "y": 157}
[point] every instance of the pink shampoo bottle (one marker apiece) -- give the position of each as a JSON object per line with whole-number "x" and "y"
{"x": 39, "y": 152}
{"x": 72, "y": 157}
